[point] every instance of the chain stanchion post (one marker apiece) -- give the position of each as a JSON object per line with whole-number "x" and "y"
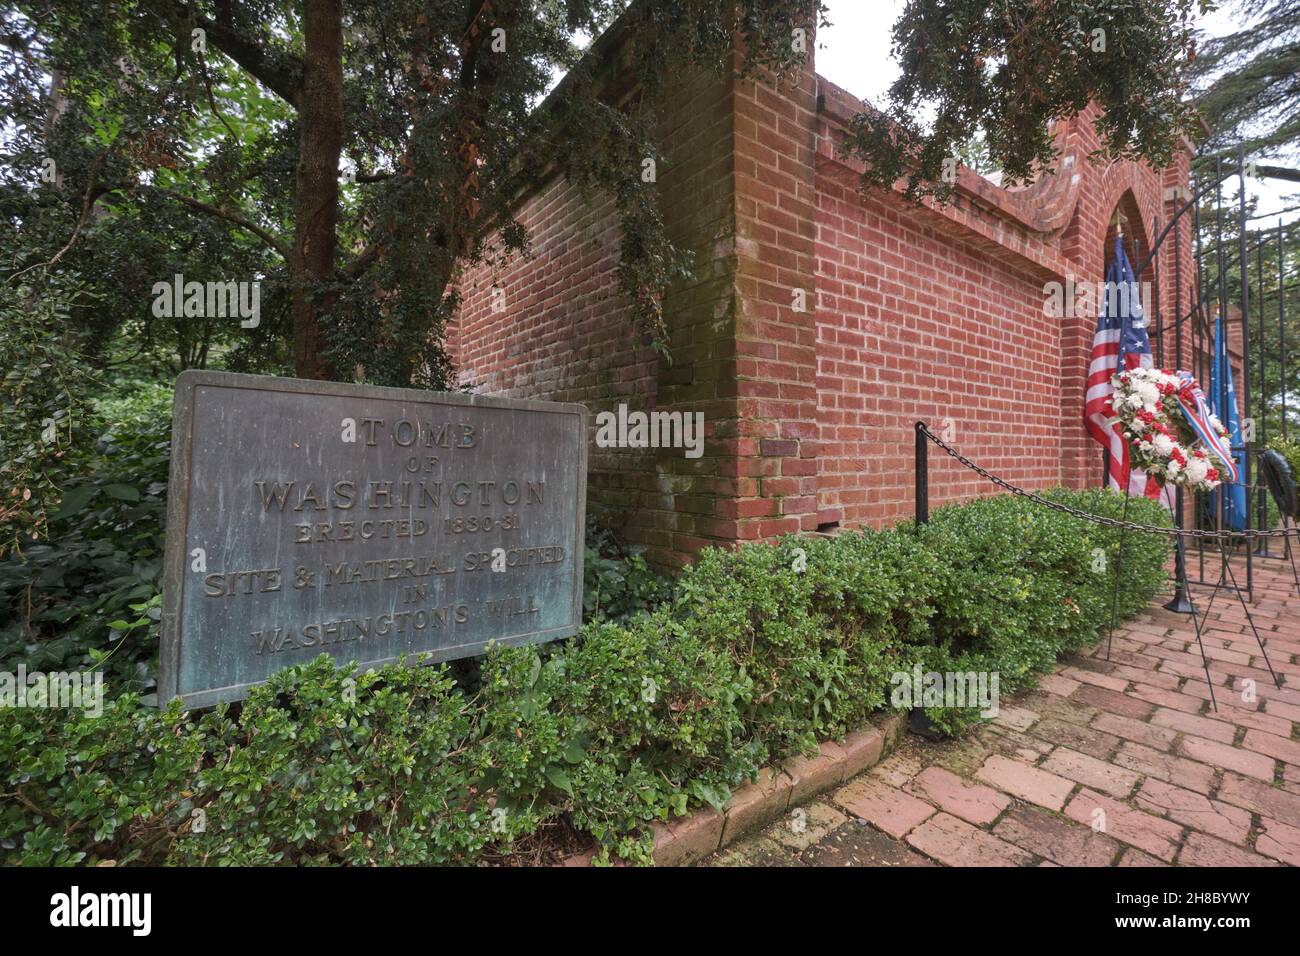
{"x": 1181, "y": 603}
{"x": 922, "y": 475}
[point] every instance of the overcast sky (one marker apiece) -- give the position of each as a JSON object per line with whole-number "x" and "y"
{"x": 854, "y": 54}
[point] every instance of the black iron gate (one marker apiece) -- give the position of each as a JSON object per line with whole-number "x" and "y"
{"x": 1185, "y": 340}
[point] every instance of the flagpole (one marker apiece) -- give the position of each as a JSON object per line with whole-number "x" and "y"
{"x": 1120, "y": 365}
{"x": 1180, "y": 603}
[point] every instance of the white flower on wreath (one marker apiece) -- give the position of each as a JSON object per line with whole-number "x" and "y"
{"x": 1146, "y": 393}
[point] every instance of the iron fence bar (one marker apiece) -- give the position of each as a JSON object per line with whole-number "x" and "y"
{"x": 1221, "y": 321}
{"x": 1155, "y": 293}
{"x": 1261, "y": 500}
{"x": 1204, "y": 290}
{"x": 1248, "y": 440}
{"x": 1281, "y": 324}
{"x": 1194, "y": 203}
{"x": 1181, "y": 602}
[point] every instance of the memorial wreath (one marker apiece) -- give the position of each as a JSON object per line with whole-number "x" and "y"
{"x": 1171, "y": 433}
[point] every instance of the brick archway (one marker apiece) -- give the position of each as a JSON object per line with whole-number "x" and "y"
{"x": 1137, "y": 238}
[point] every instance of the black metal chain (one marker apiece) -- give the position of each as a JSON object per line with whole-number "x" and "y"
{"x": 1102, "y": 519}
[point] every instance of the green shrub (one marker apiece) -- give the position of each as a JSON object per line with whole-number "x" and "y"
{"x": 319, "y": 767}
{"x": 44, "y": 385}
{"x": 1018, "y": 584}
{"x": 89, "y": 596}
{"x": 818, "y": 625}
{"x": 80, "y": 789}
{"x": 621, "y": 727}
{"x": 762, "y": 651}
{"x": 376, "y": 769}
{"x": 617, "y": 583}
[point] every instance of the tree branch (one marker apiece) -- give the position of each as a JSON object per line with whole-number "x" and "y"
{"x": 364, "y": 260}
{"x": 1278, "y": 172}
{"x": 212, "y": 102}
{"x": 281, "y": 73}
{"x": 88, "y": 201}
{"x": 230, "y": 216}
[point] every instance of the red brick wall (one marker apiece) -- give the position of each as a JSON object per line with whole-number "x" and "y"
{"x": 776, "y": 291}
{"x": 928, "y": 313}
{"x": 916, "y": 324}
{"x": 565, "y": 333}
{"x": 911, "y": 312}
{"x": 562, "y": 331}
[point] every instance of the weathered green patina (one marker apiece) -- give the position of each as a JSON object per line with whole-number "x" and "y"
{"x": 363, "y": 522}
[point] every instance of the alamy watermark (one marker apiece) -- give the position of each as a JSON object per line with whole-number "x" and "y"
{"x": 74, "y": 908}
{"x": 208, "y": 300}
{"x": 1084, "y": 299}
{"x": 60, "y": 689}
{"x": 637, "y": 429}
{"x": 950, "y": 690}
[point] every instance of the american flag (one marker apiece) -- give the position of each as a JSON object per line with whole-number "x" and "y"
{"x": 1121, "y": 330}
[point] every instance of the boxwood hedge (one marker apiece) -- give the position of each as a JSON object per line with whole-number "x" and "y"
{"x": 759, "y": 652}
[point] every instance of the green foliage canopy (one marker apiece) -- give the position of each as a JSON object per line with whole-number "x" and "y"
{"x": 1006, "y": 70}
{"x": 353, "y": 156}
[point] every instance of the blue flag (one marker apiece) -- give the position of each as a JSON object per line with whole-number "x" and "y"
{"x": 1226, "y": 411}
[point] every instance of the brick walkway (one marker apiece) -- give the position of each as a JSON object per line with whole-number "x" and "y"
{"x": 1109, "y": 763}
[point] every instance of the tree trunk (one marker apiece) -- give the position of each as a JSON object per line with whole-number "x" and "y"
{"x": 320, "y": 143}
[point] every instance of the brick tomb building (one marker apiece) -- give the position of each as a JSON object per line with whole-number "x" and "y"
{"x": 911, "y": 312}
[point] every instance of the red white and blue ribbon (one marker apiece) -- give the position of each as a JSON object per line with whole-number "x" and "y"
{"x": 1192, "y": 401}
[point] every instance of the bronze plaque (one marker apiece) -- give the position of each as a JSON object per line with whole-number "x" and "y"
{"x": 364, "y": 523}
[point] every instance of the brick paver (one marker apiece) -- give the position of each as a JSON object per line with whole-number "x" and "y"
{"x": 1108, "y": 763}
{"x": 881, "y": 805}
{"x": 957, "y": 843}
{"x": 1056, "y": 838}
{"x": 972, "y": 802}
{"x": 1028, "y": 783}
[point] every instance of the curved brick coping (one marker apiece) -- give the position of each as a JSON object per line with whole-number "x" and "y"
{"x": 1042, "y": 207}
{"x": 792, "y": 782}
